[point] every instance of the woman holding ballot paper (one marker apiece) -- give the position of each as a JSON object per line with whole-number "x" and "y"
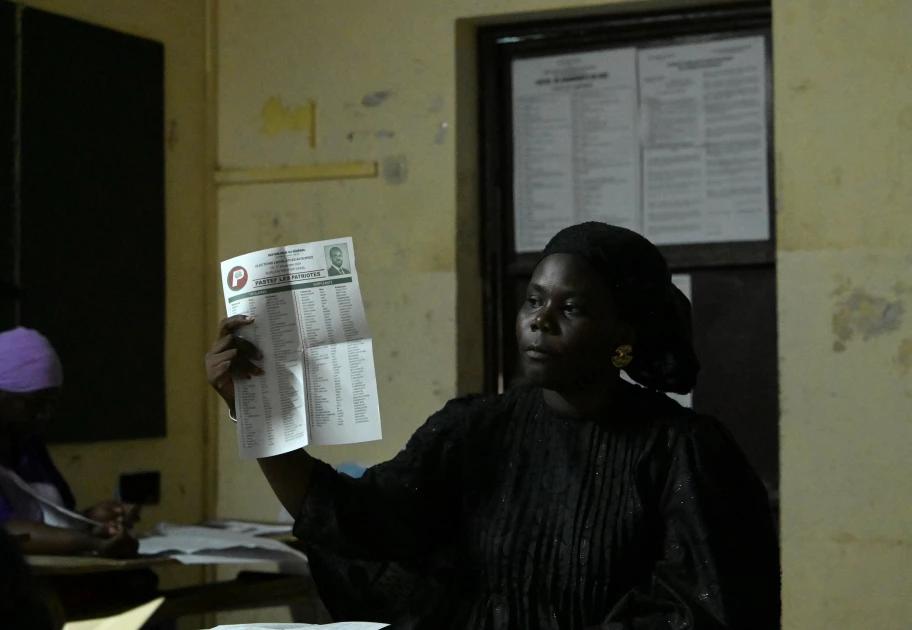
{"x": 575, "y": 500}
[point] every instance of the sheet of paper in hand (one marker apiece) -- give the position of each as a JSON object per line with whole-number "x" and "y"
{"x": 319, "y": 385}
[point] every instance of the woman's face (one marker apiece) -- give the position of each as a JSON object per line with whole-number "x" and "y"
{"x": 567, "y": 329}
{"x": 27, "y": 414}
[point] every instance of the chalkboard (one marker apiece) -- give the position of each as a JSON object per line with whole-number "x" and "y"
{"x": 89, "y": 248}
{"x": 8, "y": 229}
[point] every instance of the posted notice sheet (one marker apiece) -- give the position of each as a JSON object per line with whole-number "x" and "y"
{"x": 574, "y": 143}
{"x": 319, "y": 385}
{"x": 704, "y": 150}
{"x": 670, "y": 142}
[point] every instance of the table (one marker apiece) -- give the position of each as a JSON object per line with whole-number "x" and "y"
{"x": 87, "y": 587}
{"x": 80, "y": 565}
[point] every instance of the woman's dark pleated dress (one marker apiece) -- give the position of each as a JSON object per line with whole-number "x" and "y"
{"x": 501, "y": 514}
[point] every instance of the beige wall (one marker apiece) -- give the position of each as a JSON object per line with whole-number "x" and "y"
{"x": 843, "y": 116}
{"x": 843, "y": 81}
{"x": 92, "y": 469}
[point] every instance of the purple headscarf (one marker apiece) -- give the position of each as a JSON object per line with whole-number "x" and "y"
{"x": 28, "y": 362}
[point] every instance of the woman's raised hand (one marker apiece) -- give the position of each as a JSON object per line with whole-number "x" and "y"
{"x": 231, "y": 357}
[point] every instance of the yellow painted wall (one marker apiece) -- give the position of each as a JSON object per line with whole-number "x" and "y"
{"x": 843, "y": 81}
{"x": 92, "y": 469}
{"x": 393, "y": 82}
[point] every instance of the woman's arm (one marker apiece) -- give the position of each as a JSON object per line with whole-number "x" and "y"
{"x": 45, "y": 539}
{"x": 396, "y": 509}
{"x": 289, "y": 476}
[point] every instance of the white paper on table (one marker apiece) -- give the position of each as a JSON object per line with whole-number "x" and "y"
{"x": 239, "y": 556}
{"x": 132, "y": 619}
{"x": 575, "y": 143}
{"x": 319, "y": 385}
{"x": 339, "y": 625}
{"x": 212, "y": 545}
{"x": 704, "y": 137}
{"x": 250, "y": 527}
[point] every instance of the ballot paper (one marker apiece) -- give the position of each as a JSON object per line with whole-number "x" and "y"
{"x": 319, "y": 385}
{"x": 341, "y": 625}
{"x": 190, "y": 544}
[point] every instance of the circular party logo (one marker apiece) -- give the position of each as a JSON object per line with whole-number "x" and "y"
{"x": 237, "y": 278}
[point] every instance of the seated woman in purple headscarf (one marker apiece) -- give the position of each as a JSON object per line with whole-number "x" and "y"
{"x": 35, "y": 500}
{"x": 572, "y": 501}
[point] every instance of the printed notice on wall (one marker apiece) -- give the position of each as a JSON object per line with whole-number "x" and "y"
{"x": 704, "y": 142}
{"x": 319, "y": 384}
{"x": 670, "y": 142}
{"x": 574, "y": 143}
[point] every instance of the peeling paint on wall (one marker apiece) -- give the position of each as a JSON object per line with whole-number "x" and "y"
{"x": 274, "y": 226}
{"x": 440, "y": 136}
{"x": 436, "y": 105}
{"x": 394, "y": 169}
{"x": 801, "y": 86}
{"x": 379, "y": 134}
{"x": 277, "y": 117}
{"x": 866, "y": 315}
{"x": 373, "y": 99}
{"x": 847, "y": 538}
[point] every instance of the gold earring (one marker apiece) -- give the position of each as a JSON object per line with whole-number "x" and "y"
{"x": 623, "y": 355}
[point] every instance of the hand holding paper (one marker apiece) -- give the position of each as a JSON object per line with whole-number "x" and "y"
{"x": 231, "y": 357}
{"x": 300, "y": 308}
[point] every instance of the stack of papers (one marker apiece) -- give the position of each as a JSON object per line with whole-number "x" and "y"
{"x": 210, "y": 545}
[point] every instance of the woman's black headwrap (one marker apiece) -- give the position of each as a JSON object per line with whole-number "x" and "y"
{"x": 636, "y": 272}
